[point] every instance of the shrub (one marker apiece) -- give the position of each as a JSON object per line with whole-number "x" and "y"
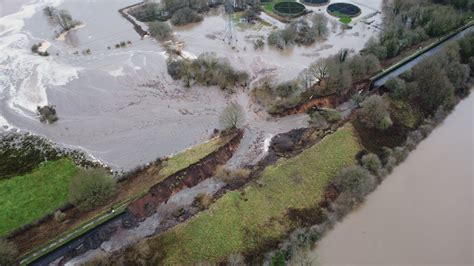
{"x": 185, "y": 16}
{"x": 397, "y": 88}
{"x": 355, "y": 180}
{"x": 413, "y": 139}
{"x": 426, "y": 129}
{"x": 278, "y": 259}
{"x": 385, "y": 123}
{"x": 372, "y": 163}
{"x": 47, "y": 114}
{"x": 208, "y": 70}
{"x": 249, "y": 15}
{"x": 232, "y": 116}
{"x": 203, "y": 200}
{"x": 91, "y": 187}
{"x": 400, "y": 154}
{"x": 35, "y": 47}
{"x": 159, "y": 30}
{"x": 374, "y": 113}
{"x": 8, "y": 252}
{"x": 286, "y": 89}
{"x": 318, "y": 120}
{"x": 331, "y": 115}
{"x": 232, "y": 177}
{"x": 258, "y": 44}
{"x": 59, "y": 216}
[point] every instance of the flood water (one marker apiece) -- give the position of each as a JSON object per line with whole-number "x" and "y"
{"x": 120, "y": 105}
{"x": 423, "y": 213}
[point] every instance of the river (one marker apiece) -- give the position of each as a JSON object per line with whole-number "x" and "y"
{"x": 422, "y": 214}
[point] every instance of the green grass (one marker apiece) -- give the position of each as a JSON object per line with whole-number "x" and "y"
{"x": 345, "y": 19}
{"x": 174, "y": 164}
{"x": 240, "y": 222}
{"x": 268, "y": 7}
{"x": 192, "y": 155}
{"x": 26, "y": 198}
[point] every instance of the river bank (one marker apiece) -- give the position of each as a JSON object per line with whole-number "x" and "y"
{"x": 422, "y": 213}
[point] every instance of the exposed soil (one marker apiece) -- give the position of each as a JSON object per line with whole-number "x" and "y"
{"x": 189, "y": 177}
{"x": 48, "y": 228}
{"x": 329, "y": 101}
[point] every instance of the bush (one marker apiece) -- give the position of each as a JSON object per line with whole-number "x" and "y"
{"x": 232, "y": 177}
{"x": 185, "y": 16}
{"x": 385, "y": 123}
{"x": 372, "y": 163}
{"x": 59, "y": 216}
{"x": 203, "y": 200}
{"x": 374, "y": 113}
{"x": 400, "y": 154}
{"x": 8, "y": 252}
{"x": 331, "y": 115}
{"x": 47, "y": 114}
{"x": 318, "y": 120}
{"x": 397, "y": 88}
{"x": 278, "y": 259}
{"x": 159, "y": 30}
{"x": 232, "y": 116}
{"x": 91, "y": 187}
{"x": 355, "y": 180}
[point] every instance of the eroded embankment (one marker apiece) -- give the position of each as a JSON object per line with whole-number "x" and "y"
{"x": 146, "y": 205}
{"x": 136, "y": 26}
{"x": 328, "y": 101}
{"x": 189, "y": 177}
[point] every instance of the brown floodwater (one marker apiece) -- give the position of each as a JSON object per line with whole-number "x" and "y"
{"x": 422, "y": 214}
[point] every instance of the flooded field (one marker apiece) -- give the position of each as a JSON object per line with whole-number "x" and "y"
{"x": 423, "y": 213}
{"x": 120, "y": 105}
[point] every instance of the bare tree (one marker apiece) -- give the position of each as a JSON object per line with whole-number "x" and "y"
{"x": 320, "y": 24}
{"x": 61, "y": 17}
{"x": 232, "y": 117}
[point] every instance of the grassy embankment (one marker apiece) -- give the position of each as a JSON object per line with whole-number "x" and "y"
{"x": 128, "y": 191}
{"x": 241, "y": 221}
{"x": 29, "y": 197}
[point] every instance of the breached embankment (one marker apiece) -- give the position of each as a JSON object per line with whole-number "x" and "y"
{"x": 146, "y": 205}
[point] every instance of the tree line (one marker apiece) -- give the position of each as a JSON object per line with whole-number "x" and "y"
{"x": 410, "y": 22}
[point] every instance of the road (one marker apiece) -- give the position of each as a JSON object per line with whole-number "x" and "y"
{"x": 410, "y": 64}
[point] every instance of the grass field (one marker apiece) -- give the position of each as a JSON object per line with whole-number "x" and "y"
{"x": 26, "y": 198}
{"x": 128, "y": 190}
{"x": 240, "y": 222}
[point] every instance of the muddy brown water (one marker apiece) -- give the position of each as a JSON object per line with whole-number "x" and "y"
{"x": 422, "y": 214}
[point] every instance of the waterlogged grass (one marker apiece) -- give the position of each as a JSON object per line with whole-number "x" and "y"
{"x": 26, "y": 198}
{"x": 240, "y": 222}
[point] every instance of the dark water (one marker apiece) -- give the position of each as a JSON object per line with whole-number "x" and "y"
{"x": 422, "y": 214}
